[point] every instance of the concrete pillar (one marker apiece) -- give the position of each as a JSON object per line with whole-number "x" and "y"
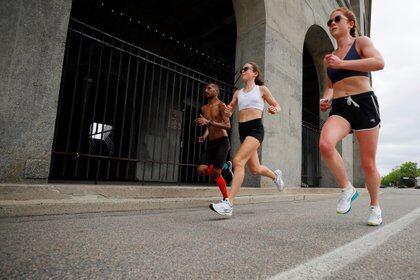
{"x": 250, "y": 46}
{"x": 358, "y": 176}
{"x": 287, "y": 25}
{"x": 31, "y": 61}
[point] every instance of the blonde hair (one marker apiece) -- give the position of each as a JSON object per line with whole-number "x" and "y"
{"x": 354, "y": 31}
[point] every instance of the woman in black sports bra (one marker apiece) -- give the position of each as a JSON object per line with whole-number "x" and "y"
{"x": 354, "y": 108}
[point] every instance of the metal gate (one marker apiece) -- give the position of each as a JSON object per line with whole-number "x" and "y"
{"x": 126, "y": 114}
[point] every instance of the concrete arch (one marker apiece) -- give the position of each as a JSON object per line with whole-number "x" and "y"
{"x": 318, "y": 42}
{"x": 315, "y": 46}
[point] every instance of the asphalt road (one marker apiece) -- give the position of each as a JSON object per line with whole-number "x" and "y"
{"x": 258, "y": 242}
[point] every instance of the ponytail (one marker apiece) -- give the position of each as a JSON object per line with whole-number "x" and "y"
{"x": 258, "y": 80}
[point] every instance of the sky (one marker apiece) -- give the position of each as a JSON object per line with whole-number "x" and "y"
{"x": 395, "y": 32}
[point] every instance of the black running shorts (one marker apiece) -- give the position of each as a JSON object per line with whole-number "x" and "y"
{"x": 216, "y": 152}
{"x": 253, "y": 128}
{"x": 360, "y": 110}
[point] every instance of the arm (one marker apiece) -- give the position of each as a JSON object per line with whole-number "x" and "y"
{"x": 203, "y": 138}
{"x": 324, "y": 103}
{"x": 268, "y": 97}
{"x": 371, "y": 60}
{"x": 225, "y": 124}
{"x": 232, "y": 105}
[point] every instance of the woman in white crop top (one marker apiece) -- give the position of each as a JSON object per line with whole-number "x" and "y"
{"x": 250, "y": 101}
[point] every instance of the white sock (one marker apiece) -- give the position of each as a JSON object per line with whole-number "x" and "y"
{"x": 376, "y": 208}
{"x": 349, "y": 187}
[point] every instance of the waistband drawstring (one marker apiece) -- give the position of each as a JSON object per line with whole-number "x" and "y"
{"x": 350, "y": 101}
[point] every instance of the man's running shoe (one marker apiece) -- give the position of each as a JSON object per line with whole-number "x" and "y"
{"x": 224, "y": 208}
{"x": 229, "y": 167}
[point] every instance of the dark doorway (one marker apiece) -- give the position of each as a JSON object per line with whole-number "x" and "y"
{"x": 310, "y": 122}
{"x": 131, "y": 88}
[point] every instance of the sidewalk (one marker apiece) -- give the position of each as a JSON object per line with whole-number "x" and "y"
{"x": 51, "y": 199}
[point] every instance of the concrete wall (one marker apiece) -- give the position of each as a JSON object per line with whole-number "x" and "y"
{"x": 251, "y": 36}
{"x": 31, "y": 60}
{"x": 287, "y": 25}
{"x": 271, "y": 33}
{"x": 361, "y": 9}
{"x": 280, "y": 53}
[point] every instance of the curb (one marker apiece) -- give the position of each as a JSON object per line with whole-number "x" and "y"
{"x": 90, "y": 204}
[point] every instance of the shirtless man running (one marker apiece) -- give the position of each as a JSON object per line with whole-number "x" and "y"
{"x": 213, "y": 118}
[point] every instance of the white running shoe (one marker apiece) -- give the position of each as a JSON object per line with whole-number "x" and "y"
{"x": 375, "y": 217}
{"x": 279, "y": 180}
{"x": 346, "y": 198}
{"x": 224, "y": 207}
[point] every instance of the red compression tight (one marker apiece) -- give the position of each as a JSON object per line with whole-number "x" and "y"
{"x": 220, "y": 182}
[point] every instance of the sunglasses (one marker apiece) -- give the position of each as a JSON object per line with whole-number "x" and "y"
{"x": 336, "y": 19}
{"x": 246, "y": 68}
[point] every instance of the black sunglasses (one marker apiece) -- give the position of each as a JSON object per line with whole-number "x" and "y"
{"x": 336, "y": 19}
{"x": 246, "y": 68}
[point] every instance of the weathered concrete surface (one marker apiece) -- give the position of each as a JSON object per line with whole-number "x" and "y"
{"x": 250, "y": 23}
{"x": 29, "y": 200}
{"x": 273, "y": 34}
{"x": 259, "y": 241}
{"x": 31, "y": 61}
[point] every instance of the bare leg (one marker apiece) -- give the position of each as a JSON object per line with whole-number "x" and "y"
{"x": 368, "y": 142}
{"x": 257, "y": 169}
{"x": 247, "y": 148}
{"x": 335, "y": 129}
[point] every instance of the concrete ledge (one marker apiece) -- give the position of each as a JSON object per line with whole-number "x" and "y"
{"x": 13, "y": 208}
{"x": 31, "y": 200}
{"x": 51, "y": 191}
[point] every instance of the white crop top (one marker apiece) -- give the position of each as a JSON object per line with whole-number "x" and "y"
{"x": 250, "y": 99}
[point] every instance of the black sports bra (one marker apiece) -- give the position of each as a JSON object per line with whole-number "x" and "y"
{"x": 336, "y": 75}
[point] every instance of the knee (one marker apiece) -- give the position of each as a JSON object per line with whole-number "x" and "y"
{"x": 326, "y": 148}
{"x": 202, "y": 170}
{"x": 237, "y": 163}
{"x": 368, "y": 166}
{"x": 254, "y": 171}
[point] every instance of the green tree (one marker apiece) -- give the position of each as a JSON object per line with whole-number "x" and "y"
{"x": 392, "y": 178}
{"x": 408, "y": 170}
{"x": 396, "y": 176}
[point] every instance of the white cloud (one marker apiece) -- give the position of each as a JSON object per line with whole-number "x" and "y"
{"x": 396, "y": 35}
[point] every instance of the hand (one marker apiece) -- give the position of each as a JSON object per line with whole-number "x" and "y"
{"x": 202, "y": 121}
{"x": 324, "y": 104}
{"x": 273, "y": 109}
{"x": 333, "y": 61}
{"x": 228, "y": 111}
{"x": 201, "y": 139}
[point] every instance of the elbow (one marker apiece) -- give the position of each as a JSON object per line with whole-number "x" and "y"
{"x": 228, "y": 127}
{"x": 380, "y": 65}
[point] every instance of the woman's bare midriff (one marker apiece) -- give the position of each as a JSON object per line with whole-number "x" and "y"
{"x": 249, "y": 114}
{"x": 351, "y": 86}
